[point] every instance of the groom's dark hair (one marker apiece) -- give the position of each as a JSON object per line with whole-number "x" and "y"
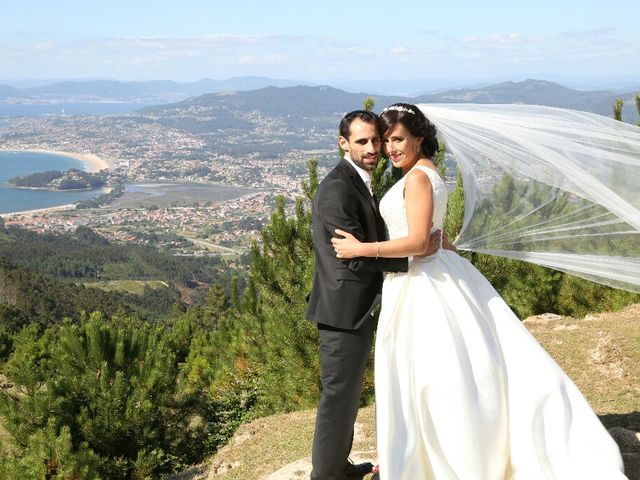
{"x": 364, "y": 115}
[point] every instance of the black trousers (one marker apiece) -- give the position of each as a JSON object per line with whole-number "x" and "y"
{"x": 343, "y": 356}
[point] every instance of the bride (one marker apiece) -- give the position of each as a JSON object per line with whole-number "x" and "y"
{"x": 463, "y": 390}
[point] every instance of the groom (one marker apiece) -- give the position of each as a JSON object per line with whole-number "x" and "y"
{"x": 344, "y": 293}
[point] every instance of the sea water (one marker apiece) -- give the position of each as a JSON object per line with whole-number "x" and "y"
{"x": 20, "y": 164}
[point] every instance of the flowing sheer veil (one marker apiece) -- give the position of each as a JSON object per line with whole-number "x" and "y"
{"x": 555, "y": 187}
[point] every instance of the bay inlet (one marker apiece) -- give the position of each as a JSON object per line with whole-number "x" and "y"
{"x": 19, "y": 164}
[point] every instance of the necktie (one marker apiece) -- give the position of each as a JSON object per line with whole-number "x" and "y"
{"x": 368, "y": 184}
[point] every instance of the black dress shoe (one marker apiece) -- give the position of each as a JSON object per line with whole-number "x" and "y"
{"x": 358, "y": 470}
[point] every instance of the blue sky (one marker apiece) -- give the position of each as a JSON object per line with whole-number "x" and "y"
{"x": 320, "y": 41}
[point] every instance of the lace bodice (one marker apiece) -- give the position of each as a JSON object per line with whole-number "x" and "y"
{"x": 394, "y": 213}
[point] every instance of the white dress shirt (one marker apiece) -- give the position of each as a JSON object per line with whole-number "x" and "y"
{"x": 364, "y": 174}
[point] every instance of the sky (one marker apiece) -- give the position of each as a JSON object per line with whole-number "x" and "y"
{"x": 320, "y": 41}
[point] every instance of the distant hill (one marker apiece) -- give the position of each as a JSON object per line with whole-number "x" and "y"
{"x": 241, "y": 83}
{"x": 528, "y": 91}
{"x": 290, "y": 97}
{"x": 538, "y": 92}
{"x": 142, "y": 91}
{"x": 7, "y": 91}
{"x": 278, "y": 120}
{"x": 270, "y": 120}
{"x": 300, "y": 102}
{"x": 323, "y": 105}
{"x": 43, "y": 277}
{"x": 105, "y": 89}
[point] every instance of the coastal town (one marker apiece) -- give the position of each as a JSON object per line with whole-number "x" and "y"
{"x": 226, "y": 228}
{"x": 187, "y": 216}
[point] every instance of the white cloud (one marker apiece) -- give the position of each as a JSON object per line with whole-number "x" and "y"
{"x": 358, "y": 50}
{"x": 248, "y": 60}
{"x": 314, "y": 57}
{"x": 273, "y": 59}
{"x": 43, "y": 47}
{"x": 588, "y": 34}
{"x": 500, "y": 40}
{"x": 399, "y": 50}
{"x": 469, "y": 55}
{"x": 264, "y": 60}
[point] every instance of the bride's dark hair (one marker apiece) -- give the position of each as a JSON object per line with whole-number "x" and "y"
{"x": 413, "y": 120}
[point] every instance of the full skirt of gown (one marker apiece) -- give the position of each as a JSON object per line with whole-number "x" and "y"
{"x": 464, "y": 391}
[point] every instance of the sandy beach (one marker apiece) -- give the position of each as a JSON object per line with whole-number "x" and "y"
{"x": 38, "y": 211}
{"x": 93, "y": 162}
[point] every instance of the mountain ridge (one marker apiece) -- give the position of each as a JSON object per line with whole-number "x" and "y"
{"x": 327, "y": 100}
{"x": 145, "y": 91}
{"x": 529, "y": 91}
{"x": 538, "y": 92}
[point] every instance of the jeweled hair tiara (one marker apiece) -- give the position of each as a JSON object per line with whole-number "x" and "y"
{"x": 399, "y": 108}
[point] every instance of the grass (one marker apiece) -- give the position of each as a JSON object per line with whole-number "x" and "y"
{"x": 601, "y": 353}
{"x": 266, "y": 444}
{"x": 4, "y": 439}
{"x": 131, "y": 286}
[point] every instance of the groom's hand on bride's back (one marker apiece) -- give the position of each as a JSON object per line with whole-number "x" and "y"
{"x": 435, "y": 241}
{"x": 447, "y": 245}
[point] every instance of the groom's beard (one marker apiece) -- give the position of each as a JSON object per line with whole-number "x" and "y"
{"x": 369, "y": 167}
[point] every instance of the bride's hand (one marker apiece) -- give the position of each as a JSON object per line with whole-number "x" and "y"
{"x": 346, "y": 247}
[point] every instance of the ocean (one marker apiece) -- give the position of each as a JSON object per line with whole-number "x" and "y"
{"x": 68, "y": 108}
{"x": 19, "y": 164}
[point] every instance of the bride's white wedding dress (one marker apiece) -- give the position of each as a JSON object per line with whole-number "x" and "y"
{"x": 463, "y": 390}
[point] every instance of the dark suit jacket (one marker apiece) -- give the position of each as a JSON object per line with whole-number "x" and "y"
{"x": 344, "y": 291}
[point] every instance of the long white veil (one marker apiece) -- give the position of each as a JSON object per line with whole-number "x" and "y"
{"x": 555, "y": 187}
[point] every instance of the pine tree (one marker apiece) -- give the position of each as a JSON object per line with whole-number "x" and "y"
{"x": 263, "y": 344}
{"x": 455, "y": 209}
{"x": 50, "y": 454}
{"x": 617, "y": 109}
{"x": 282, "y": 346}
{"x": 217, "y": 303}
{"x": 6, "y": 344}
{"x": 368, "y": 104}
{"x": 25, "y": 402}
{"x": 112, "y": 384}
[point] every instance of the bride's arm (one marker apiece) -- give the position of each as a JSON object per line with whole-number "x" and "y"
{"x": 419, "y": 205}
